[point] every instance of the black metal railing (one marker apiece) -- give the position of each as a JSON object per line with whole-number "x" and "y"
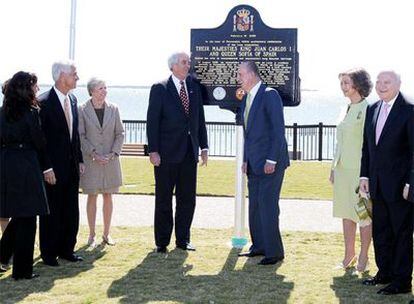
{"x": 305, "y": 142}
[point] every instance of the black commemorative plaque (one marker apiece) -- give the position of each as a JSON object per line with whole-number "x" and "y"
{"x": 216, "y": 54}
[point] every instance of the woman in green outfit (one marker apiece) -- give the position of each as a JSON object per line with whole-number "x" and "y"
{"x": 356, "y": 85}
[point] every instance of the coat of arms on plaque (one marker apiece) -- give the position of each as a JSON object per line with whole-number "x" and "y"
{"x": 243, "y": 21}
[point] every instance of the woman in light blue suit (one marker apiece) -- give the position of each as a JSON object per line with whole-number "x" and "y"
{"x": 356, "y": 85}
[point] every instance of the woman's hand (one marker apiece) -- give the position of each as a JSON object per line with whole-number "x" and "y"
{"x": 100, "y": 159}
{"x": 331, "y": 177}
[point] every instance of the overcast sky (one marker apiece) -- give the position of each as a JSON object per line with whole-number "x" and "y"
{"x": 127, "y": 42}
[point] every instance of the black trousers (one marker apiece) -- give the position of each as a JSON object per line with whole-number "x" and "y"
{"x": 393, "y": 239}
{"x": 18, "y": 241}
{"x": 59, "y": 229}
{"x": 183, "y": 178}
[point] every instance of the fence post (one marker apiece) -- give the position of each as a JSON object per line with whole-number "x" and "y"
{"x": 295, "y": 141}
{"x": 320, "y": 127}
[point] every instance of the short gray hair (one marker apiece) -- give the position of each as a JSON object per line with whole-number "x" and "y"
{"x": 173, "y": 59}
{"x": 63, "y": 66}
{"x": 93, "y": 83}
{"x": 251, "y": 67}
{"x": 393, "y": 73}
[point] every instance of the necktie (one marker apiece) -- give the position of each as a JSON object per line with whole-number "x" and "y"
{"x": 66, "y": 109}
{"x": 247, "y": 109}
{"x": 385, "y": 108}
{"x": 184, "y": 98}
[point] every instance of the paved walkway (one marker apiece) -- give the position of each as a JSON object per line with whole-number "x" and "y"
{"x": 218, "y": 212}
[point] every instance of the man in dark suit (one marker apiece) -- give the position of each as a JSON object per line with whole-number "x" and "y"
{"x": 176, "y": 130}
{"x": 59, "y": 117}
{"x": 265, "y": 160}
{"x": 385, "y": 168}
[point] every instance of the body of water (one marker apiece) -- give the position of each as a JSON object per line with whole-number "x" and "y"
{"x": 316, "y": 106}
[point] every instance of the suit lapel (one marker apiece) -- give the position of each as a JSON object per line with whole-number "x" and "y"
{"x": 374, "y": 120}
{"x": 191, "y": 93}
{"x": 173, "y": 90}
{"x": 58, "y": 110}
{"x": 255, "y": 105}
{"x": 90, "y": 112}
{"x": 391, "y": 117}
{"x": 108, "y": 112}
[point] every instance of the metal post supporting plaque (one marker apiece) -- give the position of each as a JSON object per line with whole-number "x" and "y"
{"x": 239, "y": 239}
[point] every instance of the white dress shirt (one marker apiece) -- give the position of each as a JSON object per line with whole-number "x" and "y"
{"x": 178, "y": 87}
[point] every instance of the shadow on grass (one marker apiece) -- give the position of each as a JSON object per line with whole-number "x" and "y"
{"x": 12, "y": 291}
{"x": 167, "y": 277}
{"x": 349, "y": 289}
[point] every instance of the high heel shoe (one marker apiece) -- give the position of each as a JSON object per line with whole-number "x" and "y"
{"x": 108, "y": 240}
{"x": 351, "y": 264}
{"x": 91, "y": 241}
{"x": 363, "y": 268}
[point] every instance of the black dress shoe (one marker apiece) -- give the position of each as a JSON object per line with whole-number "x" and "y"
{"x": 187, "y": 246}
{"x": 50, "y": 262}
{"x": 26, "y": 277}
{"x": 161, "y": 249}
{"x": 393, "y": 289}
{"x": 376, "y": 280}
{"x": 72, "y": 258}
{"x": 270, "y": 261}
{"x": 249, "y": 254}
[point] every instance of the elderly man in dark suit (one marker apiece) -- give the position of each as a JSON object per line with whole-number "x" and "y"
{"x": 59, "y": 117}
{"x": 176, "y": 130}
{"x": 265, "y": 160}
{"x": 385, "y": 169}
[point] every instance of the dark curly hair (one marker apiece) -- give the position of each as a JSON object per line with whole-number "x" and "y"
{"x": 19, "y": 95}
{"x": 360, "y": 79}
{"x": 4, "y": 86}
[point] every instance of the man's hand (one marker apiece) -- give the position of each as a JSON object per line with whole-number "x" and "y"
{"x": 364, "y": 185}
{"x": 244, "y": 168}
{"x": 331, "y": 177}
{"x": 204, "y": 158}
{"x": 81, "y": 168}
{"x": 269, "y": 168}
{"x": 50, "y": 177}
{"x": 405, "y": 191}
{"x": 155, "y": 158}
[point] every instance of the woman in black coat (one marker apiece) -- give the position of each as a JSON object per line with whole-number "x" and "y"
{"x": 22, "y": 192}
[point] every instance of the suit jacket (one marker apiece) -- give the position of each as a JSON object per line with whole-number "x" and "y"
{"x": 103, "y": 140}
{"x": 265, "y": 132}
{"x": 22, "y": 144}
{"x": 62, "y": 152}
{"x": 388, "y": 163}
{"x": 349, "y": 135}
{"x": 168, "y": 126}
{"x": 411, "y": 191}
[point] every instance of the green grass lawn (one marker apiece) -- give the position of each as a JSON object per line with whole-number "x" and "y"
{"x": 130, "y": 272}
{"x": 304, "y": 180}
